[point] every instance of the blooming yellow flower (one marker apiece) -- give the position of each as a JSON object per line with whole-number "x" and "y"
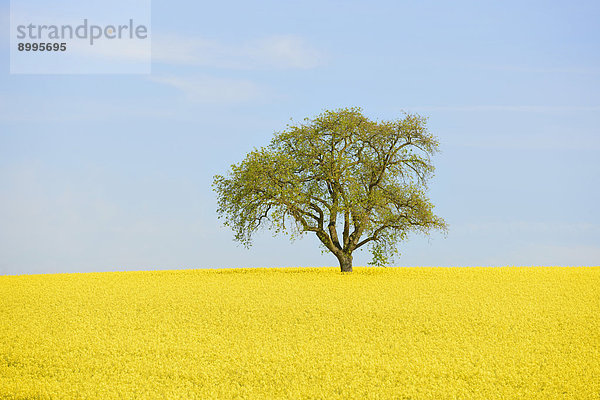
{"x": 378, "y": 333}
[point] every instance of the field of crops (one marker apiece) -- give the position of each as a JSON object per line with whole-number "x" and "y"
{"x": 401, "y": 333}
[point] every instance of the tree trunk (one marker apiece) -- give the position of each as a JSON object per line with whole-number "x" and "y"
{"x": 345, "y": 262}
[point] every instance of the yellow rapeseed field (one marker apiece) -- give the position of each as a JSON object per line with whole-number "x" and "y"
{"x": 378, "y": 333}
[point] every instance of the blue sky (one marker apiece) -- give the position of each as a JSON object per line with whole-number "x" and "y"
{"x": 114, "y": 172}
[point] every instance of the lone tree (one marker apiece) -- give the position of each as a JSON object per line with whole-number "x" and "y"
{"x": 350, "y": 180}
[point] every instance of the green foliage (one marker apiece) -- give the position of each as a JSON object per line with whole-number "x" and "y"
{"x": 348, "y": 179}
{"x": 383, "y": 252}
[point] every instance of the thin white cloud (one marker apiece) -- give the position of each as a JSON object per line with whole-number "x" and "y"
{"x": 72, "y": 109}
{"x": 529, "y": 227}
{"x": 115, "y": 51}
{"x": 55, "y": 223}
{"x": 545, "y": 69}
{"x": 4, "y": 22}
{"x": 273, "y": 52}
{"x": 556, "y": 255}
{"x": 208, "y": 89}
{"x": 509, "y": 108}
{"x": 530, "y": 141}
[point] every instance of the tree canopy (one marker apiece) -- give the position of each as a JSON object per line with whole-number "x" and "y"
{"x": 350, "y": 180}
